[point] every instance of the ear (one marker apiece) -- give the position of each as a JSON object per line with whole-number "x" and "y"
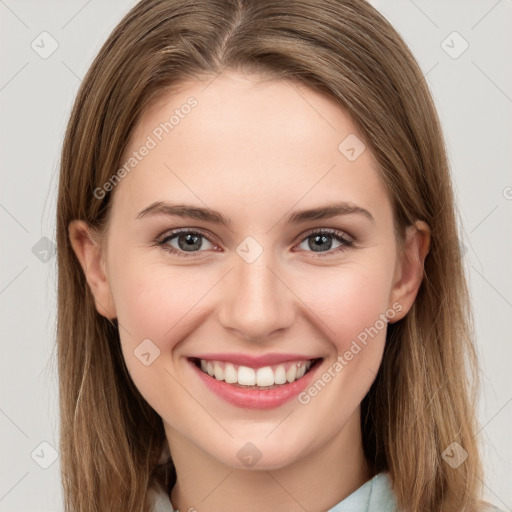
{"x": 88, "y": 250}
{"x": 409, "y": 269}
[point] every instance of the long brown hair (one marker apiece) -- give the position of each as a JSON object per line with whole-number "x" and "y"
{"x": 423, "y": 397}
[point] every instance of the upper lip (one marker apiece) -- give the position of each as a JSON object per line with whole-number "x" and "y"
{"x": 254, "y": 361}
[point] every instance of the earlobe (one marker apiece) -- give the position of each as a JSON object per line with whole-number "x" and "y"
{"x": 410, "y": 267}
{"x": 89, "y": 253}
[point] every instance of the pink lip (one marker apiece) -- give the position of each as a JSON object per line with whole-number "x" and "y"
{"x": 254, "y": 361}
{"x": 255, "y": 398}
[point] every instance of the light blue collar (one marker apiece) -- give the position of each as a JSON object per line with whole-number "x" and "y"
{"x": 375, "y": 495}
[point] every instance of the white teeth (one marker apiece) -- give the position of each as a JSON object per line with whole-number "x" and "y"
{"x": 230, "y": 374}
{"x": 218, "y": 371}
{"x": 264, "y": 377}
{"x": 246, "y": 376}
{"x": 291, "y": 374}
{"x": 280, "y": 375}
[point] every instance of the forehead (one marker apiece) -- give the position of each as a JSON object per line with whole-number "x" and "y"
{"x": 251, "y": 138}
{"x": 254, "y": 110}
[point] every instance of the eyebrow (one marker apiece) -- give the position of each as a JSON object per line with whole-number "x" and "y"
{"x": 206, "y": 214}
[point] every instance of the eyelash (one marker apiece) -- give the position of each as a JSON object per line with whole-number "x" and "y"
{"x": 162, "y": 241}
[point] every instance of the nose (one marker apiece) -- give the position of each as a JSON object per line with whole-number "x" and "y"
{"x": 256, "y": 302}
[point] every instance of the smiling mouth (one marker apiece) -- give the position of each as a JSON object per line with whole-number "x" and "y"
{"x": 262, "y": 378}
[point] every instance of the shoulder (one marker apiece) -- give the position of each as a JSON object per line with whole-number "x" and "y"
{"x": 376, "y": 494}
{"x": 379, "y": 495}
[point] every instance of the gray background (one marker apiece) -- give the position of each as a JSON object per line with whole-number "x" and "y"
{"x": 473, "y": 93}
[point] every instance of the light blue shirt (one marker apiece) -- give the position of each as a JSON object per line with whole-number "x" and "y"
{"x": 376, "y": 495}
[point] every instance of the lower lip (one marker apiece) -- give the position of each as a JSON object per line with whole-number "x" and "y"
{"x": 256, "y": 398}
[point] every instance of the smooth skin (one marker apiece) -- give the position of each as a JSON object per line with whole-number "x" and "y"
{"x": 256, "y": 150}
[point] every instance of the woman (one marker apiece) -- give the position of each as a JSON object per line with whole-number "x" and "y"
{"x": 259, "y": 303}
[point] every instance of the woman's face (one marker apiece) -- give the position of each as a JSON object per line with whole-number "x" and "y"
{"x": 305, "y": 268}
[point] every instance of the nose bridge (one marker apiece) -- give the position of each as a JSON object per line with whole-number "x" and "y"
{"x": 256, "y": 302}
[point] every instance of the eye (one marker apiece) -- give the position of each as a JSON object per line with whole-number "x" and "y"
{"x": 185, "y": 241}
{"x": 321, "y": 241}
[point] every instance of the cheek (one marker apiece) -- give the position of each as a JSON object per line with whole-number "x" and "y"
{"x": 164, "y": 304}
{"x": 351, "y": 306}
{"x": 348, "y": 301}
{"x": 156, "y": 307}
{"x": 154, "y": 300}
{"x": 147, "y": 304}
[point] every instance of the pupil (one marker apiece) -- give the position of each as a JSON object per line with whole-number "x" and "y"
{"x": 321, "y": 242}
{"x": 190, "y": 242}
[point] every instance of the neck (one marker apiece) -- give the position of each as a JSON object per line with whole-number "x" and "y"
{"x": 316, "y": 482}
